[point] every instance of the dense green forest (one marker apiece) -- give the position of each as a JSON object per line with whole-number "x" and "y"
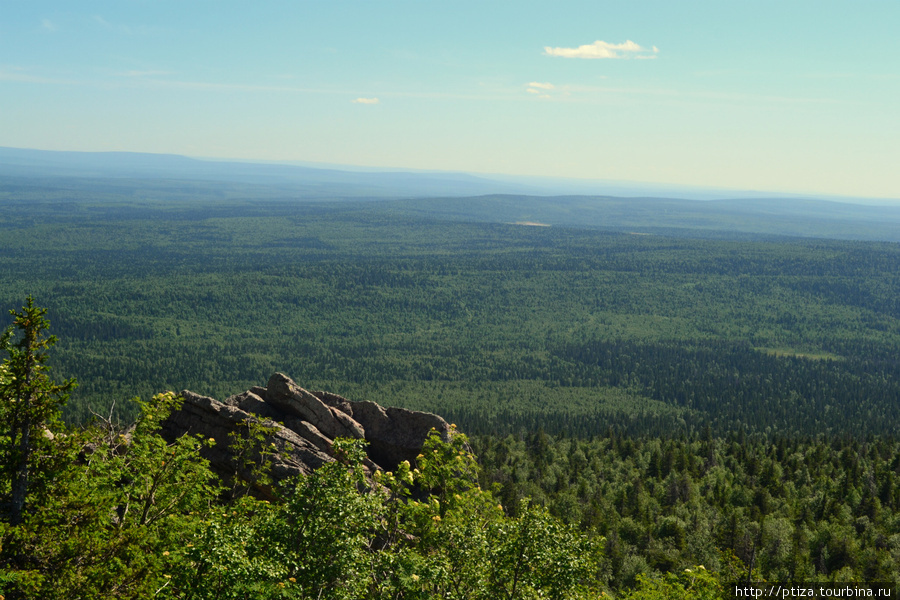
{"x": 794, "y": 509}
{"x": 498, "y": 327}
{"x": 99, "y": 511}
{"x": 652, "y": 403}
{"x": 106, "y": 512}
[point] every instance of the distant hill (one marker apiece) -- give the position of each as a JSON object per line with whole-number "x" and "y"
{"x": 723, "y": 219}
{"x": 456, "y": 196}
{"x": 307, "y": 182}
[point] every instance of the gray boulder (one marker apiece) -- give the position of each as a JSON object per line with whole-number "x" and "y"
{"x": 303, "y": 427}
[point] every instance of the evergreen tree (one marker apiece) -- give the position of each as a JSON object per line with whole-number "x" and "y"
{"x": 30, "y": 401}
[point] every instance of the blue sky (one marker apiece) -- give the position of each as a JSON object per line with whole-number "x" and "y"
{"x": 788, "y": 95}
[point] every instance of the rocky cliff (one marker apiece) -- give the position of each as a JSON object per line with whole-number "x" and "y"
{"x": 300, "y": 428}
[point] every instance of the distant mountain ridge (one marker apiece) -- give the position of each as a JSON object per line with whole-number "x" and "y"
{"x": 353, "y": 181}
{"x": 446, "y": 195}
{"x": 311, "y": 181}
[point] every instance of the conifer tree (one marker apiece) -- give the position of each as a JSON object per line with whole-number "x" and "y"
{"x": 30, "y": 401}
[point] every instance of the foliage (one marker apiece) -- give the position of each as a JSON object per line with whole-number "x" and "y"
{"x": 755, "y": 380}
{"x": 314, "y": 544}
{"x": 129, "y": 514}
{"x": 822, "y": 509}
{"x": 29, "y": 404}
{"x": 691, "y": 584}
{"x": 247, "y": 445}
{"x": 500, "y": 328}
{"x": 426, "y": 531}
{"x": 112, "y": 522}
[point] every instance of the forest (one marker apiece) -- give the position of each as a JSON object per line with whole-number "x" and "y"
{"x": 661, "y": 401}
{"x": 498, "y": 327}
{"x": 101, "y": 511}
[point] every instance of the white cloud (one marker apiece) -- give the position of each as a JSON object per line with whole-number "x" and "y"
{"x": 542, "y": 89}
{"x": 366, "y": 101}
{"x": 49, "y": 25}
{"x": 601, "y": 49}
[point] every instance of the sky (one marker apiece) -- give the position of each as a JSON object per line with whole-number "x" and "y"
{"x": 798, "y": 96}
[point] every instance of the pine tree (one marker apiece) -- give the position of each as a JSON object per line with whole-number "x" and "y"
{"x": 30, "y": 401}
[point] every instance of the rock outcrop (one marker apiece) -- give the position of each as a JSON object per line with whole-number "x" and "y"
{"x": 301, "y": 427}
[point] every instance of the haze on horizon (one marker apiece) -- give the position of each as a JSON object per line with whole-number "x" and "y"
{"x": 799, "y": 97}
